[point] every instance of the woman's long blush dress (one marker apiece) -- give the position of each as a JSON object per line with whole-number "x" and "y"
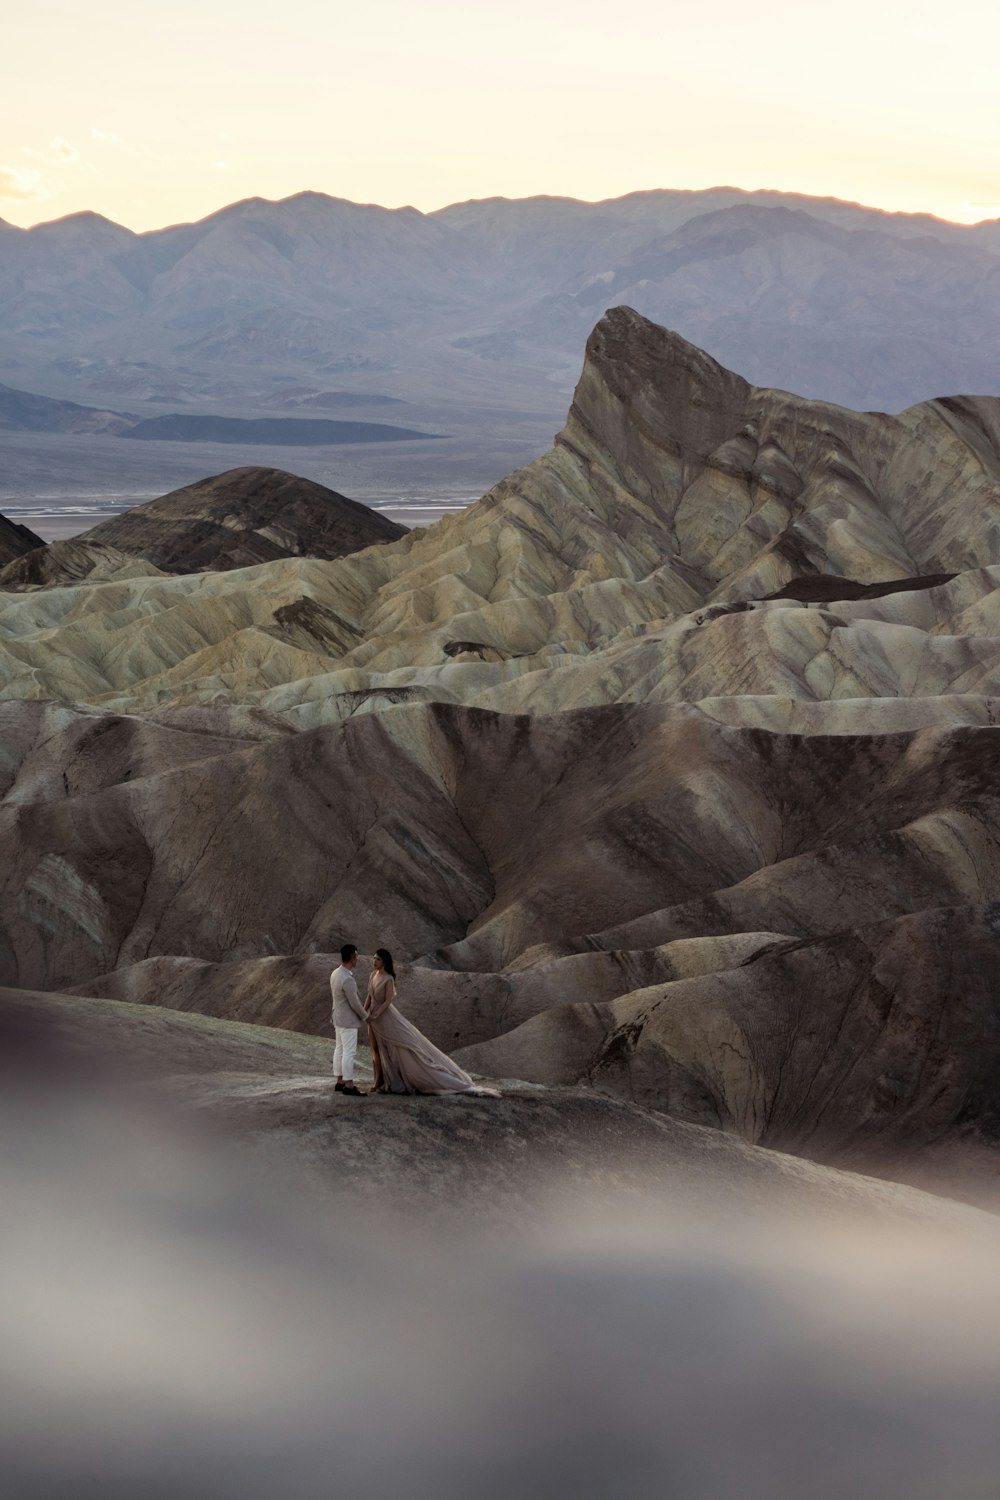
{"x": 405, "y": 1061}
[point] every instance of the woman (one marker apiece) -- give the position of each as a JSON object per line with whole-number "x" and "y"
{"x": 405, "y": 1061}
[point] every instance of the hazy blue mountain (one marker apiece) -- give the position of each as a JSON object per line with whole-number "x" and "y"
{"x": 282, "y": 432}
{"x": 22, "y": 411}
{"x": 266, "y": 306}
{"x": 793, "y": 301}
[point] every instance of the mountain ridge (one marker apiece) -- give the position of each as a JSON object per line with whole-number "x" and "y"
{"x": 915, "y": 217}
{"x": 491, "y": 301}
{"x": 674, "y": 487}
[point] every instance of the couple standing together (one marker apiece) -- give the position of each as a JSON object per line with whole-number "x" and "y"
{"x": 405, "y": 1062}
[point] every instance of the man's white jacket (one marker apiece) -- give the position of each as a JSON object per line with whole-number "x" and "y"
{"x": 347, "y": 1007}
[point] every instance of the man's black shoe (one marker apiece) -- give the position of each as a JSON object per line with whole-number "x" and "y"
{"x": 348, "y": 1088}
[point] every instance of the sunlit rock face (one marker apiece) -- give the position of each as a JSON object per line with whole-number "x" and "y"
{"x": 668, "y": 769}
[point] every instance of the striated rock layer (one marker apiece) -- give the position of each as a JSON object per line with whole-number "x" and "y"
{"x": 763, "y": 932}
{"x": 56, "y": 564}
{"x": 673, "y": 486}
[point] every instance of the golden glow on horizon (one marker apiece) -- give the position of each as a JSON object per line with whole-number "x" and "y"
{"x": 156, "y": 121}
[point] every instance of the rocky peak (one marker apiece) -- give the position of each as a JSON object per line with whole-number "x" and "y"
{"x": 242, "y": 517}
{"x": 642, "y": 383}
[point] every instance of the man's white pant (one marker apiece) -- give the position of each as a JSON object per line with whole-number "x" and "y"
{"x": 344, "y": 1049}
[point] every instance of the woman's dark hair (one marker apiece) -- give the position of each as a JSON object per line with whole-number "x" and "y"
{"x": 386, "y": 958}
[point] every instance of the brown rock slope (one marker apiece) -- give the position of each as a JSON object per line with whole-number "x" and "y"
{"x": 16, "y": 540}
{"x": 789, "y": 936}
{"x": 478, "y": 837}
{"x": 51, "y": 751}
{"x": 242, "y": 517}
{"x": 876, "y": 1047}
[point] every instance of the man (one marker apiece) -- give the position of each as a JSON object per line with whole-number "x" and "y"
{"x": 348, "y": 1015}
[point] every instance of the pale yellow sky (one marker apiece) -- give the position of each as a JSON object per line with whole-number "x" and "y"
{"x": 157, "y": 117}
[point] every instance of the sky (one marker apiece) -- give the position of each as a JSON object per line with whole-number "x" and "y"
{"x": 159, "y": 116}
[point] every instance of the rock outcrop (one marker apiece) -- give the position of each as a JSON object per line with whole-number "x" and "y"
{"x": 242, "y": 517}
{"x": 16, "y": 540}
{"x": 874, "y": 1047}
{"x": 54, "y": 564}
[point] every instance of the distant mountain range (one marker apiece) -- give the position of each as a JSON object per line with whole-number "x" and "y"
{"x": 316, "y": 302}
{"x": 22, "y": 411}
{"x": 285, "y": 432}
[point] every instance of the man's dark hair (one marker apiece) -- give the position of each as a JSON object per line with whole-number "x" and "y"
{"x": 347, "y": 951}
